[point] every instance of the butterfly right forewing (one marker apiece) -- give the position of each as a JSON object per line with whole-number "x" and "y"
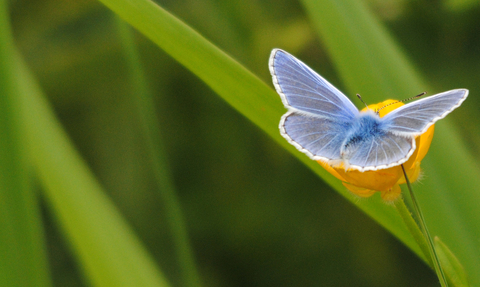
{"x": 415, "y": 118}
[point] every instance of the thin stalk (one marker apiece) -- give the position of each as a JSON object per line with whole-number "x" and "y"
{"x": 414, "y": 229}
{"x": 423, "y": 227}
{"x": 144, "y": 103}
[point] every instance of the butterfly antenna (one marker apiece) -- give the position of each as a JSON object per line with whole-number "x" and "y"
{"x": 360, "y": 97}
{"x": 404, "y": 100}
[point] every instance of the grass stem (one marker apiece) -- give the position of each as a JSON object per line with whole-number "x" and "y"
{"x": 423, "y": 227}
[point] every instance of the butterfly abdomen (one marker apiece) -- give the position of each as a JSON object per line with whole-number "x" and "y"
{"x": 362, "y": 130}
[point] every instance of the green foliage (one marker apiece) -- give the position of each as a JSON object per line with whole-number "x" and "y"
{"x": 104, "y": 244}
{"x": 21, "y": 237}
{"x": 452, "y": 266}
{"x": 255, "y": 215}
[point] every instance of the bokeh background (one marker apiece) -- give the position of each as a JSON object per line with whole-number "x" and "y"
{"x": 255, "y": 215}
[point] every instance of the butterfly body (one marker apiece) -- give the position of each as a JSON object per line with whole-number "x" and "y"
{"x": 365, "y": 127}
{"x": 324, "y": 124}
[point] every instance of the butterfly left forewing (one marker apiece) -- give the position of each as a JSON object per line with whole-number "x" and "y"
{"x": 303, "y": 90}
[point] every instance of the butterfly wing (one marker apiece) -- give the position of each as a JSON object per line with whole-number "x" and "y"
{"x": 318, "y": 137}
{"x": 381, "y": 151}
{"x": 304, "y": 91}
{"x": 394, "y": 142}
{"x": 415, "y": 118}
{"x": 320, "y": 119}
{"x": 323, "y": 139}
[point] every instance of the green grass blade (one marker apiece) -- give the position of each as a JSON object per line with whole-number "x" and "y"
{"x": 213, "y": 66}
{"x": 142, "y": 99}
{"x": 106, "y": 247}
{"x": 412, "y": 225}
{"x": 452, "y": 266}
{"x": 240, "y": 88}
{"x": 423, "y": 226}
{"x": 372, "y": 65}
{"x": 22, "y": 245}
{"x": 364, "y": 54}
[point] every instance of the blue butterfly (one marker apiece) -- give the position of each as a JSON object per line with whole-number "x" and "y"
{"x": 324, "y": 124}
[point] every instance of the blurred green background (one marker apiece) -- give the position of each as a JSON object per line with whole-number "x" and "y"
{"x": 255, "y": 215}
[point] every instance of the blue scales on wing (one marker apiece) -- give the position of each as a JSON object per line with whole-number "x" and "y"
{"x": 319, "y": 138}
{"x": 362, "y": 143}
{"x": 305, "y": 91}
{"x": 382, "y": 152}
{"x": 369, "y": 144}
{"x": 415, "y": 118}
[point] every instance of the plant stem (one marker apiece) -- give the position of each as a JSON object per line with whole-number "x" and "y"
{"x": 414, "y": 229}
{"x": 423, "y": 227}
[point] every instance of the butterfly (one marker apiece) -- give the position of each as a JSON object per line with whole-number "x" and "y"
{"x": 324, "y": 124}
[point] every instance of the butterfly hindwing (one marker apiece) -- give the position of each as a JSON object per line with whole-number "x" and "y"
{"x": 323, "y": 139}
{"x": 382, "y": 151}
{"x": 319, "y": 138}
{"x": 304, "y": 90}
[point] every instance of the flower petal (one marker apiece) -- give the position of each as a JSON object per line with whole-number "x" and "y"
{"x": 331, "y": 170}
{"x": 392, "y": 194}
{"x": 360, "y": 191}
{"x": 381, "y": 180}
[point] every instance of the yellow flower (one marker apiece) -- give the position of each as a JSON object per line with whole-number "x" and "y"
{"x": 385, "y": 181}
